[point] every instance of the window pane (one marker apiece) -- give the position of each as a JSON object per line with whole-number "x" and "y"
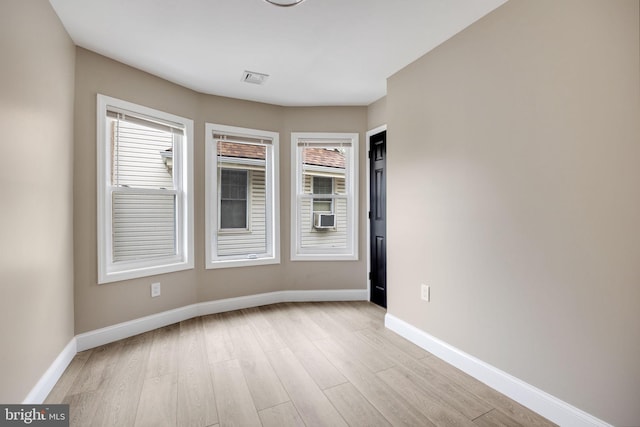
{"x": 233, "y": 198}
{"x": 141, "y": 156}
{"x": 242, "y": 169}
{"x": 328, "y": 238}
{"x": 322, "y": 185}
{"x": 322, "y": 167}
{"x": 144, "y": 226}
{"x": 233, "y": 184}
{"x": 322, "y": 205}
{"x": 233, "y": 214}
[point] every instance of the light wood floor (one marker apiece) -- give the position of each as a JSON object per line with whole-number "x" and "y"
{"x": 293, "y": 364}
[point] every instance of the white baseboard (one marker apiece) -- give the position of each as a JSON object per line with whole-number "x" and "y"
{"x": 102, "y": 336}
{"x": 128, "y": 329}
{"x": 119, "y": 331}
{"x": 229, "y": 304}
{"x": 527, "y": 395}
{"x": 43, "y": 387}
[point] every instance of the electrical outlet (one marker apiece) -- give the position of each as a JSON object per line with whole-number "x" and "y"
{"x": 155, "y": 290}
{"x": 425, "y": 292}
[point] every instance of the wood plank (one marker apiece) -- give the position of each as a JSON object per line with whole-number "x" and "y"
{"x": 428, "y": 380}
{"x": 298, "y": 316}
{"x": 268, "y": 337}
{"x": 388, "y": 402}
{"x": 447, "y": 393}
{"x": 82, "y": 407}
{"x": 98, "y": 368}
{"x": 391, "y": 338}
{"x": 496, "y": 418}
{"x": 313, "y": 406}
{"x": 163, "y": 356}
{"x": 318, "y": 314}
{"x": 366, "y": 354}
{"x": 219, "y": 346}
{"x": 158, "y": 402}
{"x": 235, "y": 405}
{"x": 245, "y": 344}
{"x": 494, "y": 398}
{"x": 369, "y": 309}
{"x": 196, "y": 399}
{"x": 434, "y": 410}
{"x": 283, "y": 415}
{"x": 354, "y": 407}
{"x": 64, "y": 384}
{"x": 351, "y": 318}
{"x": 264, "y": 385}
{"x": 318, "y": 366}
{"x": 290, "y": 333}
{"x": 122, "y": 392}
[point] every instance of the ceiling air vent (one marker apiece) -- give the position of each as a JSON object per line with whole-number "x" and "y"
{"x": 253, "y": 77}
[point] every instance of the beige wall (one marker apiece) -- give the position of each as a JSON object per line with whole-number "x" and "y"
{"x": 99, "y": 306}
{"x": 102, "y": 305}
{"x": 36, "y": 266}
{"x": 377, "y": 113}
{"x": 323, "y": 275}
{"x": 515, "y": 149}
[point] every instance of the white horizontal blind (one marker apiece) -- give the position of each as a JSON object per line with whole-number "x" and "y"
{"x": 143, "y": 195}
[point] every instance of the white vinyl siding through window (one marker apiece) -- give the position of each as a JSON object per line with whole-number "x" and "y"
{"x": 324, "y": 173}
{"x": 242, "y": 197}
{"x": 143, "y": 195}
{"x": 333, "y": 237}
{"x": 144, "y": 204}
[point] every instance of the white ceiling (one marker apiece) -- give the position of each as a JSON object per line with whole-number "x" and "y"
{"x": 320, "y": 52}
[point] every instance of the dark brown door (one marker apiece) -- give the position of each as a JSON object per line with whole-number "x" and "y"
{"x": 378, "y": 218}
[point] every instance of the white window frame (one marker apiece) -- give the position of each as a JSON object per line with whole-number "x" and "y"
{"x": 272, "y": 190}
{"x": 350, "y": 253}
{"x": 108, "y": 270}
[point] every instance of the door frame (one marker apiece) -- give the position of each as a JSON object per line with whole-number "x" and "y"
{"x": 368, "y": 136}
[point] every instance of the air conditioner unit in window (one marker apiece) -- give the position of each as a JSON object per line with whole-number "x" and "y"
{"x": 324, "y": 220}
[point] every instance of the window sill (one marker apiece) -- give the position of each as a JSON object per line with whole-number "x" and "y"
{"x": 324, "y": 257}
{"x": 136, "y": 273}
{"x": 242, "y": 262}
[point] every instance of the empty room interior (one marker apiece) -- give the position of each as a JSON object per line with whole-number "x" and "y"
{"x": 322, "y": 212}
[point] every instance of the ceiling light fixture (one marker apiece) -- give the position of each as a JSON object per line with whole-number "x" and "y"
{"x": 284, "y": 3}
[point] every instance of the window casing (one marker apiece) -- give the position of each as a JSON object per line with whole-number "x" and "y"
{"x": 324, "y": 164}
{"x": 242, "y": 197}
{"x": 144, "y": 183}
